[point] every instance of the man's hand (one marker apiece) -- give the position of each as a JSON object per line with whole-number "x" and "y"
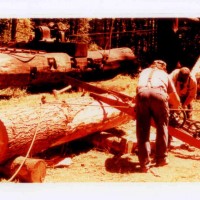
{"x": 184, "y": 106}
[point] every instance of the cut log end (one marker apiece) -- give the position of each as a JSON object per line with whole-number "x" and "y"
{"x": 3, "y": 141}
{"x": 32, "y": 170}
{"x": 37, "y": 172}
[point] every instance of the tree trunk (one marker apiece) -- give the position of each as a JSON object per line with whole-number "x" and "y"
{"x": 54, "y": 123}
{"x": 169, "y": 46}
{"x": 13, "y": 30}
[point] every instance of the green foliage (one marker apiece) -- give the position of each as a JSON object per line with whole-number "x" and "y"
{"x": 94, "y": 47}
{"x": 3, "y": 25}
{"x": 24, "y": 30}
{"x": 4, "y": 30}
{"x": 83, "y": 29}
{"x": 50, "y": 22}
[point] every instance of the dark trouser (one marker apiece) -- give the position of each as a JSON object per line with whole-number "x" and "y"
{"x": 151, "y": 103}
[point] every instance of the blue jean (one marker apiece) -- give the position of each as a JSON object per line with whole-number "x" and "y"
{"x": 151, "y": 103}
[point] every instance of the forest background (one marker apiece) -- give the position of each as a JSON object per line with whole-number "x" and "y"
{"x": 170, "y": 39}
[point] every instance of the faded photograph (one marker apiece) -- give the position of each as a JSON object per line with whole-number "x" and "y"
{"x": 99, "y": 100}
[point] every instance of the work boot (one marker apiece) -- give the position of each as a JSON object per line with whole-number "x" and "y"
{"x": 144, "y": 169}
{"x": 162, "y": 162}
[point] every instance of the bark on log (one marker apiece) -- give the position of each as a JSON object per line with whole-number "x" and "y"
{"x": 21, "y": 63}
{"x": 55, "y": 123}
{"x": 114, "y": 58}
{"x": 3, "y": 140}
{"x": 24, "y": 69}
{"x": 32, "y": 170}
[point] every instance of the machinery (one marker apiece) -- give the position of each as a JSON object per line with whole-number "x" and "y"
{"x": 48, "y": 58}
{"x": 179, "y": 127}
{"x": 179, "y": 120}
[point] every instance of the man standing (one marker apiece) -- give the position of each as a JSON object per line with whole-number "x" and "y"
{"x": 186, "y": 87}
{"x": 152, "y": 97}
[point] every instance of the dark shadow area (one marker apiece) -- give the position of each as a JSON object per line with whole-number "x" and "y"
{"x": 69, "y": 149}
{"x": 98, "y": 75}
{"x": 78, "y": 146}
{"x": 121, "y": 165}
{"x": 116, "y": 132}
{"x": 46, "y": 87}
{"x": 85, "y": 77}
{"x": 5, "y": 97}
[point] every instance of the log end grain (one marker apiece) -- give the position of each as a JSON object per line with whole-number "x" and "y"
{"x": 3, "y": 142}
{"x": 32, "y": 171}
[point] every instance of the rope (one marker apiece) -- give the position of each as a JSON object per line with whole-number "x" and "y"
{"x": 16, "y": 56}
{"x": 28, "y": 152}
{"x": 117, "y": 106}
{"x": 87, "y": 104}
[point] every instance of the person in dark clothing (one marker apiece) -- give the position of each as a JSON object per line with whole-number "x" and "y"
{"x": 186, "y": 87}
{"x": 152, "y": 97}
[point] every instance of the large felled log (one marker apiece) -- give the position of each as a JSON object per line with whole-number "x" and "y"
{"x": 32, "y": 170}
{"x": 113, "y": 58}
{"x": 23, "y": 68}
{"x": 55, "y": 123}
{"x": 3, "y": 140}
{"x": 18, "y": 69}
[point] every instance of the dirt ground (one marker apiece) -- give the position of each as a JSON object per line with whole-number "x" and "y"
{"x": 92, "y": 164}
{"x": 89, "y": 164}
{"x": 97, "y": 165}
